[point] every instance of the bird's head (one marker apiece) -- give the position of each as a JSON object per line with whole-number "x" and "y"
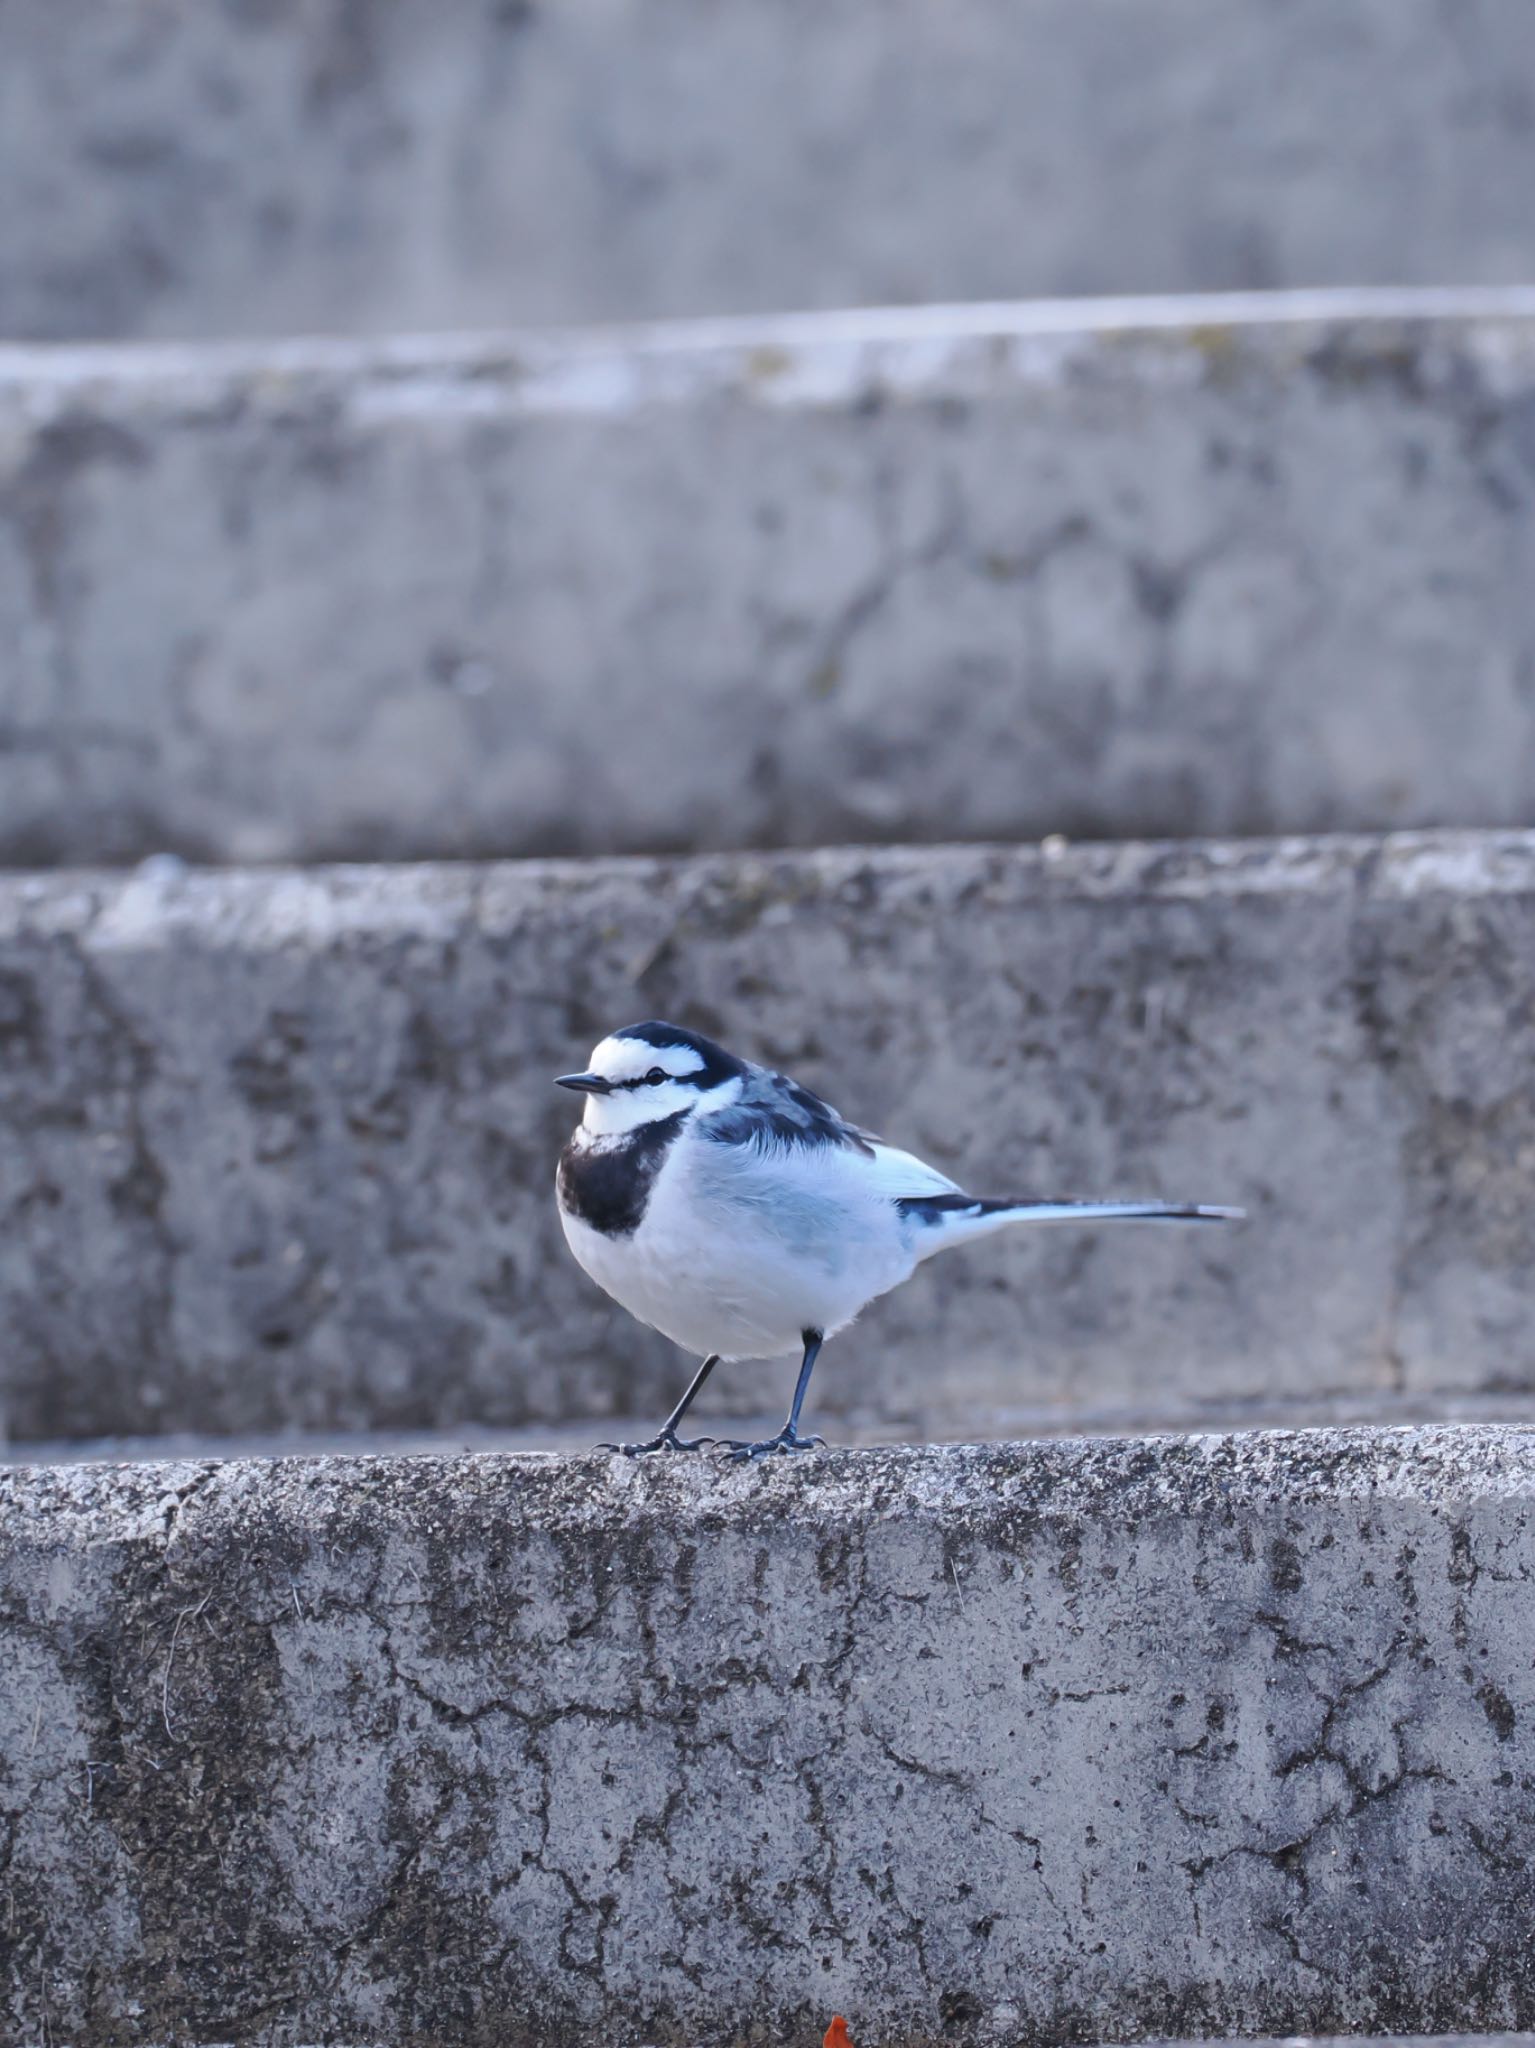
{"x": 647, "y": 1072}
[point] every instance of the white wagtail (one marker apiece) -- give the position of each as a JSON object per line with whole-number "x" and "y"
{"x": 742, "y": 1217}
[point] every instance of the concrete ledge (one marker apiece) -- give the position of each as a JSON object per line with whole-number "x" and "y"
{"x": 1152, "y": 567}
{"x": 1087, "y": 1741}
{"x": 1382, "y": 2041}
{"x": 278, "y": 1148}
{"x": 861, "y": 1432}
{"x": 227, "y": 169}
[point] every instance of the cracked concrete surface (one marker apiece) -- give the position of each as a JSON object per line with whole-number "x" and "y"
{"x": 1020, "y": 1745}
{"x": 1159, "y": 568}
{"x": 279, "y": 1147}
{"x": 315, "y": 165}
{"x": 1383, "y": 2041}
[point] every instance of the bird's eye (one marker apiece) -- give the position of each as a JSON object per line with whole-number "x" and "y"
{"x": 656, "y": 1076}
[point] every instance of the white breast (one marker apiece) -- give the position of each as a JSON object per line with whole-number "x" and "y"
{"x": 741, "y": 1250}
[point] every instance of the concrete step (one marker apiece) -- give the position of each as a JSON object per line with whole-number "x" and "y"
{"x": 278, "y": 1147}
{"x": 1167, "y": 567}
{"x": 216, "y": 170}
{"x": 938, "y": 1424}
{"x": 1378, "y": 2041}
{"x": 852, "y": 1430}
{"x": 1089, "y": 1740}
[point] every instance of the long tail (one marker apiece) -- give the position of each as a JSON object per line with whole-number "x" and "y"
{"x": 951, "y": 1219}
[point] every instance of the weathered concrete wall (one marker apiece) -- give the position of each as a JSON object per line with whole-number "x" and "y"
{"x": 1079, "y": 1742}
{"x": 317, "y": 165}
{"x": 1397, "y": 2041}
{"x": 278, "y": 1149}
{"x": 1229, "y": 567}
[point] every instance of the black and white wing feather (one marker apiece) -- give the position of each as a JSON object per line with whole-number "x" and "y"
{"x": 771, "y": 1110}
{"x": 775, "y": 1117}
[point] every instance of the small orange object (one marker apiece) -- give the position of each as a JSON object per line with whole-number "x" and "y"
{"x": 837, "y": 2034}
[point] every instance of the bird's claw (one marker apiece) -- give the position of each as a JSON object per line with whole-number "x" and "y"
{"x": 740, "y": 1452}
{"x": 668, "y": 1440}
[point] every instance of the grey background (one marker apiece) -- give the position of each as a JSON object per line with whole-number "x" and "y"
{"x": 280, "y": 1149}
{"x": 1169, "y": 570}
{"x": 276, "y": 166}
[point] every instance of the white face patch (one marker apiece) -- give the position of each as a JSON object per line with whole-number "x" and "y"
{"x": 630, "y": 1059}
{"x": 637, "y": 1098}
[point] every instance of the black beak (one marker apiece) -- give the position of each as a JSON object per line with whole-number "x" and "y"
{"x": 589, "y": 1084}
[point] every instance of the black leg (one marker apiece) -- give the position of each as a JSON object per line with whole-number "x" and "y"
{"x": 812, "y": 1342}
{"x": 668, "y": 1439}
{"x": 788, "y": 1439}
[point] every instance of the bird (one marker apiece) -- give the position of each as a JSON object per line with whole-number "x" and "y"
{"x": 731, "y": 1209}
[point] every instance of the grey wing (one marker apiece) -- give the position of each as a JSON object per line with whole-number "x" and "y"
{"x": 773, "y": 1110}
{"x": 775, "y": 1114}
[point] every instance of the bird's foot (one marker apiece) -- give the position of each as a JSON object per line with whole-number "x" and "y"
{"x": 668, "y": 1440}
{"x": 784, "y": 1445}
